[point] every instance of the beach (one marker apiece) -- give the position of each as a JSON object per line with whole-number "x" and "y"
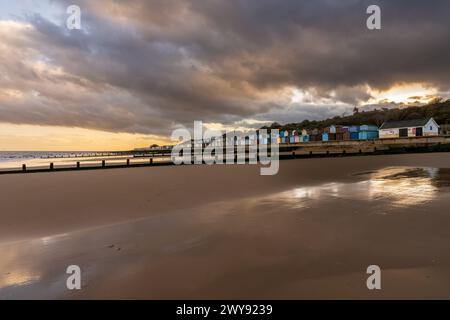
{"x": 226, "y": 232}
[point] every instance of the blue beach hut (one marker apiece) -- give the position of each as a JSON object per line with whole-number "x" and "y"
{"x": 368, "y": 132}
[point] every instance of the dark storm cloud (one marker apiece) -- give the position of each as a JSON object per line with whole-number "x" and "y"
{"x": 144, "y": 66}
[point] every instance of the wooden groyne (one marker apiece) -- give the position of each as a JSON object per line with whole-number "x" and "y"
{"x": 93, "y": 165}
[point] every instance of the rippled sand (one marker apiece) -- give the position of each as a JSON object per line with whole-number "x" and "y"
{"x": 309, "y": 232}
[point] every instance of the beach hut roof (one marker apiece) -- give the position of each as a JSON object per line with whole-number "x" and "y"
{"x": 405, "y": 123}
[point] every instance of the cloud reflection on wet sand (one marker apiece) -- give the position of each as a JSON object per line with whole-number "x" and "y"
{"x": 399, "y": 186}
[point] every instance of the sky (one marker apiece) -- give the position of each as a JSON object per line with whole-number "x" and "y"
{"x": 137, "y": 69}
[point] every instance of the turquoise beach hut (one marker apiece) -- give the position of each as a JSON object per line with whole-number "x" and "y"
{"x": 368, "y": 132}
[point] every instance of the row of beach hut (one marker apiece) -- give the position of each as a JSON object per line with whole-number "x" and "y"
{"x": 389, "y": 129}
{"x": 332, "y": 133}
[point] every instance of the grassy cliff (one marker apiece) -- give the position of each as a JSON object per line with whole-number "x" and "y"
{"x": 439, "y": 110}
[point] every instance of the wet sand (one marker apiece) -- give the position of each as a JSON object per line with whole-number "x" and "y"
{"x": 226, "y": 232}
